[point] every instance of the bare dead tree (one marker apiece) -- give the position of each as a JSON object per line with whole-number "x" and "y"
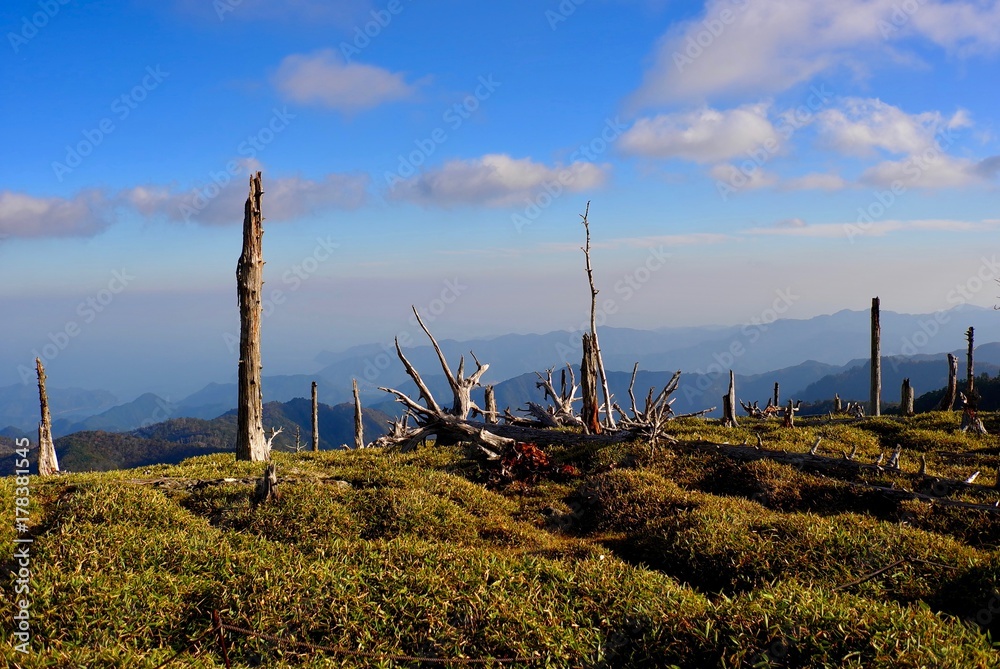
{"x": 970, "y": 388}
{"x": 48, "y": 464}
{"x": 359, "y": 428}
{"x": 951, "y": 394}
{"x": 650, "y": 422}
{"x": 837, "y": 404}
{"x": 561, "y": 412}
{"x": 776, "y": 395}
{"x": 315, "y": 418}
{"x": 588, "y": 379}
{"x": 609, "y": 418}
{"x": 250, "y": 443}
{"x": 876, "y": 365}
{"x": 906, "y": 399}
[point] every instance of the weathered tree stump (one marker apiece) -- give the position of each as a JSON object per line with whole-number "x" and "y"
{"x": 359, "y": 428}
{"x": 729, "y": 403}
{"x": 906, "y": 399}
{"x": 267, "y": 486}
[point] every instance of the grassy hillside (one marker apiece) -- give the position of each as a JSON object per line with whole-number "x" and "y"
{"x": 681, "y": 557}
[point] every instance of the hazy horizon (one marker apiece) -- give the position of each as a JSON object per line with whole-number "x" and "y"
{"x": 734, "y": 154}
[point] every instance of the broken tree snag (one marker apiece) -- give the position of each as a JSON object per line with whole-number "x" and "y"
{"x": 970, "y": 388}
{"x": 906, "y": 399}
{"x": 588, "y": 380}
{"x": 729, "y": 403}
{"x": 789, "y": 416}
{"x": 315, "y": 418}
{"x": 837, "y": 404}
{"x": 359, "y": 428}
{"x": 490, "y": 398}
{"x": 971, "y": 422}
{"x": 599, "y": 360}
{"x": 951, "y": 394}
{"x": 777, "y": 403}
{"x": 267, "y": 486}
{"x": 47, "y": 462}
{"x": 876, "y": 390}
{"x": 250, "y": 443}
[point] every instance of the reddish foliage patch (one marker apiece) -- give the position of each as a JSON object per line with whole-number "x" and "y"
{"x": 528, "y": 463}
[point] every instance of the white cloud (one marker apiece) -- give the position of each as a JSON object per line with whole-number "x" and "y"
{"x": 495, "y": 180}
{"x": 767, "y": 46}
{"x": 863, "y": 125}
{"x": 324, "y": 79}
{"x": 815, "y": 181}
{"x": 742, "y": 179}
{"x": 84, "y": 215}
{"x": 703, "y": 136}
{"x": 874, "y": 229}
{"x": 89, "y": 212}
{"x": 932, "y": 169}
{"x": 285, "y": 198}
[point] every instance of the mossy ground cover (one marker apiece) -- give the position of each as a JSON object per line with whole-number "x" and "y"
{"x": 651, "y": 557}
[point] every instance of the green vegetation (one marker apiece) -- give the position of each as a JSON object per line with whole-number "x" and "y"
{"x": 677, "y": 557}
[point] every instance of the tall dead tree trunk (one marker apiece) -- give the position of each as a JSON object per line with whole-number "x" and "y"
{"x": 777, "y": 403}
{"x": 588, "y": 383}
{"x": 359, "y": 428}
{"x": 838, "y": 406}
{"x": 970, "y": 389}
{"x": 951, "y": 394}
{"x": 250, "y": 442}
{"x": 729, "y": 403}
{"x": 876, "y": 390}
{"x": 490, "y": 415}
{"x": 906, "y": 399}
{"x": 315, "y": 418}
{"x": 48, "y": 464}
{"x": 609, "y": 418}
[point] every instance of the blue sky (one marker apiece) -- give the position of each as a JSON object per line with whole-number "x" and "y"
{"x": 439, "y": 154}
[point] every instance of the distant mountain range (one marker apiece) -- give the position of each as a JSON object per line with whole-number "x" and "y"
{"x": 811, "y": 359}
{"x": 174, "y": 440}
